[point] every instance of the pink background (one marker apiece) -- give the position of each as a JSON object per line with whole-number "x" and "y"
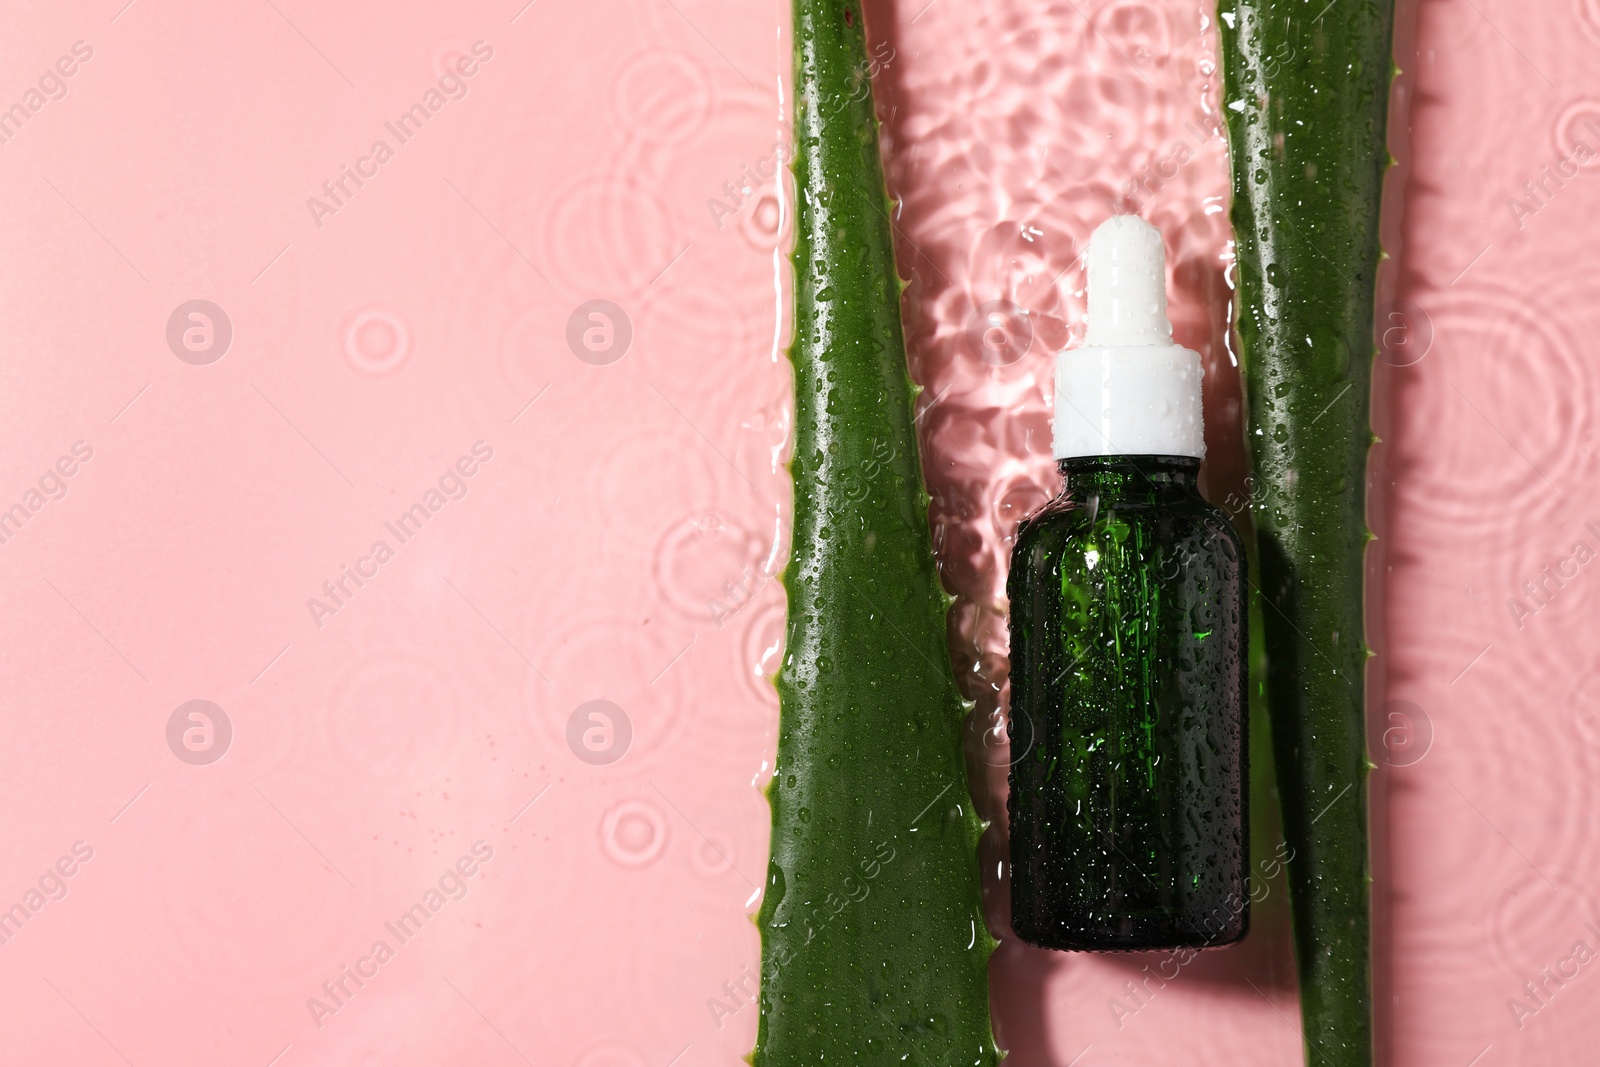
{"x": 620, "y": 543}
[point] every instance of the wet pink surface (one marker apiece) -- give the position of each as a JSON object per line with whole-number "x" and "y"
{"x": 401, "y": 745}
{"x": 1494, "y": 857}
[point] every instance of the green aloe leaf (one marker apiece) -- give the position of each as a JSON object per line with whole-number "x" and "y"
{"x": 873, "y": 937}
{"x": 1306, "y": 102}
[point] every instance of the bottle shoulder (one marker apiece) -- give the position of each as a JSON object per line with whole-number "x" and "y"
{"x": 1170, "y": 518}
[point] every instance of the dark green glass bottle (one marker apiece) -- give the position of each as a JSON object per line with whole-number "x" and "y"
{"x": 1128, "y": 791}
{"x": 1128, "y": 646}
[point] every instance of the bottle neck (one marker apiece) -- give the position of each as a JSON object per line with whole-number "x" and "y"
{"x": 1131, "y": 477}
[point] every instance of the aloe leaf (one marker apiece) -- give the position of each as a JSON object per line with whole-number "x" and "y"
{"x": 873, "y": 938}
{"x": 1306, "y": 103}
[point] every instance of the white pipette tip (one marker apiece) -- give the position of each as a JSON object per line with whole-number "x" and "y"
{"x": 1128, "y": 390}
{"x": 1127, "y": 269}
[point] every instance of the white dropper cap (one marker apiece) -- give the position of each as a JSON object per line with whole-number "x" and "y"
{"x": 1128, "y": 390}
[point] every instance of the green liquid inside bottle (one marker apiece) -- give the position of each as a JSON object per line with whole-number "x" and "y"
{"x": 1129, "y": 741}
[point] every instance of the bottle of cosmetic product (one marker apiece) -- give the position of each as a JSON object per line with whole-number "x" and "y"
{"x": 1129, "y": 781}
